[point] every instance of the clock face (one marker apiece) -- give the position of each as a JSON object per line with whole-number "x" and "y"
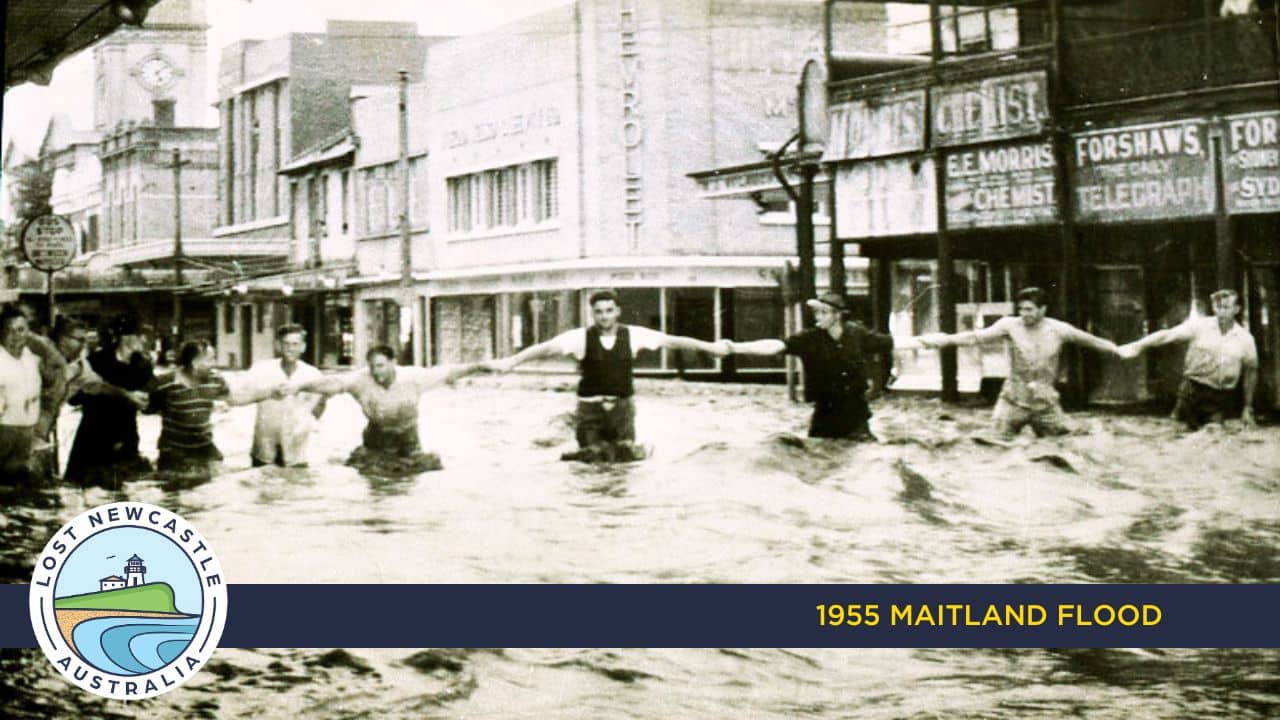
{"x": 155, "y": 72}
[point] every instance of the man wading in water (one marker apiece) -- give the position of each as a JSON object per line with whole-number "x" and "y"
{"x": 1035, "y": 344}
{"x": 1220, "y": 373}
{"x": 389, "y": 397}
{"x": 835, "y": 374}
{"x": 605, "y": 420}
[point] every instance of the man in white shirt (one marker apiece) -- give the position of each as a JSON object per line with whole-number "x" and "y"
{"x": 1220, "y": 372}
{"x": 605, "y": 417}
{"x": 285, "y": 422}
{"x": 20, "y": 386}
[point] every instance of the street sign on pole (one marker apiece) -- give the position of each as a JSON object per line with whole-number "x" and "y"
{"x": 49, "y": 242}
{"x": 813, "y": 107}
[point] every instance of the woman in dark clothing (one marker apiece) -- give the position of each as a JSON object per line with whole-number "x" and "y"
{"x": 105, "y": 450}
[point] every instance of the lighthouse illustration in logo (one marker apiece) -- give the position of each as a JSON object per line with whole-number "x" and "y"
{"x": 145, "y": 626}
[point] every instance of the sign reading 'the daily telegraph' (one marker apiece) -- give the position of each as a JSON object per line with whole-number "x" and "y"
{"x": 1251, "y": 167}
{"x": 1143, "y": 172}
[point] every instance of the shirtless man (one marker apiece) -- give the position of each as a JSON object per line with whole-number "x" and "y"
{"x": 388, "y": 395}
{"x": 1035, "y": 344}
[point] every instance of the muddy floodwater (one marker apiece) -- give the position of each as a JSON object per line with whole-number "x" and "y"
{"x": 732, "y": 494}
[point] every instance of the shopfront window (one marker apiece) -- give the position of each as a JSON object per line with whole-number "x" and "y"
{"x": 691, "y": 312}
{"x": 643, "y": 306}
{"x": 757, "y": 314}
{"x": 538, "y": 317}
{"x": 337, "y": 337}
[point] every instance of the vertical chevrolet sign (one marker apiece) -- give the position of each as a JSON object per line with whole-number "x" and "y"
{"x": 632, "y": 127}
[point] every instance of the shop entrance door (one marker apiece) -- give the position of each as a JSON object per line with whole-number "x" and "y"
{"x": 1119, "y": 312}
{"x": 246, "y": 336}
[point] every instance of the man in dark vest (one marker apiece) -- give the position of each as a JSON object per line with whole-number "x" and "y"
{"x": 835, "y": 367}
{"x": 605, "y": 352}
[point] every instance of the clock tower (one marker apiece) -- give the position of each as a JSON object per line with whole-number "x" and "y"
{"x": 154, "y": 74}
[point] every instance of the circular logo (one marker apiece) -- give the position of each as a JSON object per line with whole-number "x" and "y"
{"x": 128, "y": 601}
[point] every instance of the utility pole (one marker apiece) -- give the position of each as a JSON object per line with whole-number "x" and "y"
{"x": 406, "y": 250}
{"x": 176, "y": 332}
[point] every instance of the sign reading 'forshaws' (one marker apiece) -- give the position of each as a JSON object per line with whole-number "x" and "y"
{"x": 49, "y": 242}
{"x": 1143, "y": 172}
{"x": 1011, "y": 185}
{"x": 1252, "y": 163}
{"x": 992, "y": 109}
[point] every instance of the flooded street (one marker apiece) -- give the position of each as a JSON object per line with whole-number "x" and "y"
{"x": 732, "y": 494}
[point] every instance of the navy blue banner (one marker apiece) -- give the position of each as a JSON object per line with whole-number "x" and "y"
{"x": 367, "y": 616}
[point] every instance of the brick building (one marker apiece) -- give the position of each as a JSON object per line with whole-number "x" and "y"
{"x": 281, "y": 101}
{"x": 116, "y": 183}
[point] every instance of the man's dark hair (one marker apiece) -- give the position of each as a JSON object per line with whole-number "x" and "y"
{"x": 288, "y": 329}
{"x": 63, "y": 325}
{"x": 1034, "y": 295}
{"x": 9, "y": 313}
{"x": 383, "y": 350}
{"x": 191, "y": 350}
{"x": 602, "y": 295}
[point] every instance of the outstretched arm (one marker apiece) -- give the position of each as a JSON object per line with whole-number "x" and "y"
{"x": 757, "y": 347}
{"x": 550, "y": 348}
{"x": 997, "y": 331}
{"x": 330, "y": 385}
{"x": 1089, "y": 340}
{"x": 1169, "y": 336}
{"x": 680, "y": 342}
{"x": 461, "y": 370}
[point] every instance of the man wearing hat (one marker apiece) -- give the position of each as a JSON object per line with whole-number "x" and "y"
{"x": 835, "y": 367}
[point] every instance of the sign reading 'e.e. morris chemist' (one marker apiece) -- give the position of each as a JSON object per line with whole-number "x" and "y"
{"x": 1143, "y": 172}
{"x": 1251, "y": 168}
{"x": 1004, "y": 186}
{"x": 997, "y": 108}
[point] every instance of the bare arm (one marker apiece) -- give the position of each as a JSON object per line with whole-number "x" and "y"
{"x": 549, "y": 348}
{"x": 1089, "y": 340}
{"x": 459, "y": 371}
{"x": 758, "y": 347}
{"x": 680, "y": 342}
{"x": 1169, "y": 336}
{"x": 331, "y": 385}
{"x": 997, "y": 331}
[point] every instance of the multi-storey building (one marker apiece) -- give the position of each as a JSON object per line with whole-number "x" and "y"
{"x": 283, "y": 102}
{"x": 117, "y": 185}
{"x": 551, "y": 156}
{"x": 1123, "y": 155}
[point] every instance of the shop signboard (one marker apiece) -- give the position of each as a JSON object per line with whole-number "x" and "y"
{"x": 881, "y": 125}
{"x": 998, "y": 108}
{"x": 1158, "y": 171}
{"x": 1251, "y": 166}
{"x": 882, "y": 198}
{"x": 1001, "y": 186}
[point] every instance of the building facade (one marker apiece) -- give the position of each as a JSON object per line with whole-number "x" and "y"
{"x": 116, "y": 182}
{"x": 282, "y": 101}
{"x": 1122, "y": 156}
{"x": 550, "y": 157}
